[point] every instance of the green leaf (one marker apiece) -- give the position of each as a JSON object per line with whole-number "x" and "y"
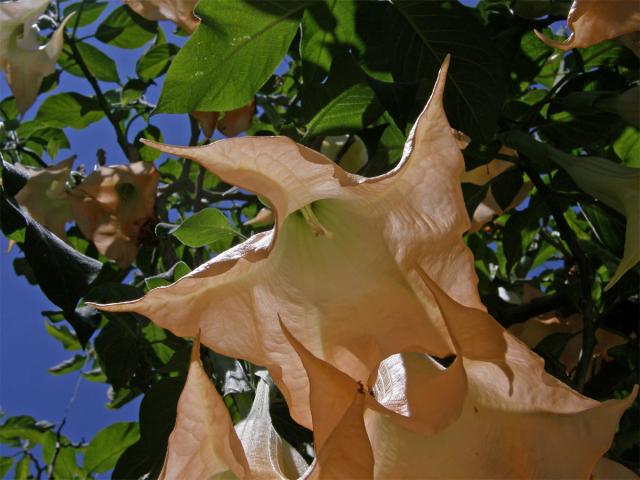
{"x": 99, "y": 64}
{"x": 473, "y": 195}
{"x": 91, "y": 10}
{"x": 126, "y": 29}
{"x": 66, "y": 465}
{"x": 157, "y": 418}
{"x": 67, "y": 366}
{"x": 506, "y": 186}
{"x": 5, "y": 465}
{"x": 69, "y": 110}
{"x": 205, "y": 227}
{"x": 409, "y": 39}
{"x": 627, "y": 147}
{"x": 108, "y": 444}
{"x": 16, "y": 429}
{"x": 21, "y": 471}
{"x": 151, "y": 132}
{"x": 243, "y": 40}
{"x": 177, "y": 271}
{"x": 117, "y": 352}
{"x": 156, "y": 61}
{"x": 63, "y": 335}
{"x": 352, "y": 110}
{"x": 519, "y": 232}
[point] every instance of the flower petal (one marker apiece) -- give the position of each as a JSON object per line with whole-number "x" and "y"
{"x": 236, "y": 121}
{"x": 203, "y": 442}
{"x": 45, "y": 198}
{"x": 268, "y": 455}
{"x": 513, "y": 425}
{"x": 593, "y": 21}
{"x": 111, "y": 206}
{"x": 27, "y": 67}
{"x": 607, "y": 469}
{"x": 178, "y": 11}
{"x": 343, "y": 271}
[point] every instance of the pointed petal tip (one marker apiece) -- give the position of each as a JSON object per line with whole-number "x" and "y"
{"x": 554, "y": 43}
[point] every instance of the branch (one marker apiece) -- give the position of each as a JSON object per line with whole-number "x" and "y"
{"x": 513, "y": 314}
{"x": 56, "y": 452}
{"x": 102, "y": 101}
{"x": 584, "y": 271}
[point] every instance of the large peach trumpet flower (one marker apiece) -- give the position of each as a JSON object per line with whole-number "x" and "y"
{"x": 340, "y": 262}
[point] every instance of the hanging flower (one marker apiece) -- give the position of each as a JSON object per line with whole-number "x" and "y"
{"x": 594, "y": 21}
{"x": 22, "y": 58}
{"x": 341, "y": 259}
{"x": 178, "y": 11}
{"x": 45, "y": 197}
{"x": 232, "y": 123}
{"x": 112, "y": 205}
{"x": 204, "y": 442}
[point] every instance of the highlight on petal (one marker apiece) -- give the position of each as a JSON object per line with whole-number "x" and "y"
{"x": 268, "y": 455}
{"x": 178, "y": 11}
{"x": 45, "y": 197}
{"x": 27, "y": 62}
{"x": 593, "y": 21}
{"x": 615, "y": 185}
{"x": 523, "y": 425}
{"x": 341, "y": 264}
{"x": 203, "y": 442}
{"x": 112, "y": 205}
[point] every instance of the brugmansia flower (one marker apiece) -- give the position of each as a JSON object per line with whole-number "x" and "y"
{"x": 615, "y": 185}
{"x": 232, "y": 123}
{"x": 536, "y": 329}
{"x": 112, "y": 205}
{"x": 489, "y": 207}
{"x": 45, "y": 197}
{"x": 204, "y": 442}
{"x": 593, "y": 21}
{"x": 339, "y": 265}
{"x": 22, "y": 58}
{"x": 178, "y": 11}
{"x": 515, "y": 422}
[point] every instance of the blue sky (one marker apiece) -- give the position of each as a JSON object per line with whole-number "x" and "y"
{"x": 26, "y": 350}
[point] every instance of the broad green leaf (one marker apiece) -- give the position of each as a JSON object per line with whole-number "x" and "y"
{"x": 99, "y": 64}
{"x": 126, "y": 29}
{"x": 519, "y": 232}
{"x": 176, "y": 272}
{"x": 352, "y": 110}
{"x": 66, "y": 464}
{"x": 156, "y": 61}
{"x": 151, "y": 132}
{"x": 627, "y": 147}
{"x": 14, "y": 429}
{"x": 21, "y": 472}
{"x": 506, "y": 186}
{"x": 69, "y": 110}
{"x": 205, "y": 227}
{"x": 67, "y": 366}
{"x": 107, "y": 446}
{"x": 473, "y": 195}
{"x": 243, "y": 40}
{"x": 91, "y": 10}
{"x": 63, "y": 335}
{"x": 5, "y": 465}
{"x": 157, "y": 417}
{"x": 411, "y": 39}
{"x": 117, "y": 352}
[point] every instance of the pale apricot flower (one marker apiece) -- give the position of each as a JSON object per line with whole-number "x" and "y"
{"x": 112, "y": 205}
{"x": 231, "y": 124}
{"x": 593, "y": 21}
{"x": 204, "y": 443}
{"x": 178, "y": 11}
{"x": 341, "y": 259}
{"x": 45, "y": 197}
{"x": 22, "y": 58}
